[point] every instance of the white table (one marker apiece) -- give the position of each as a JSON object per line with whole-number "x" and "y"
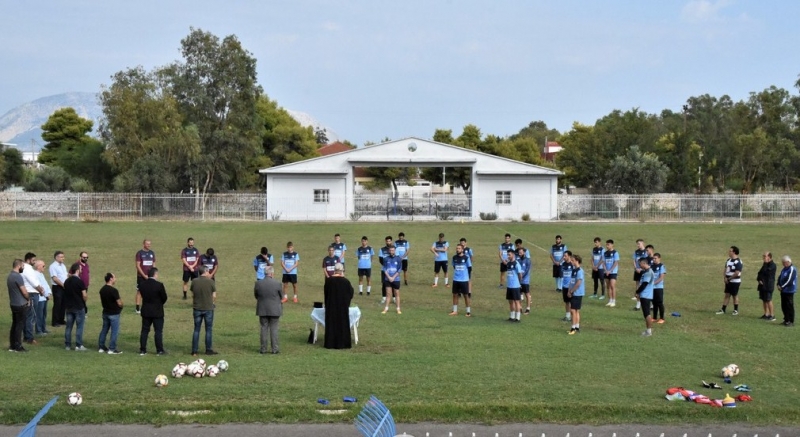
{"x": 318, "y": 316}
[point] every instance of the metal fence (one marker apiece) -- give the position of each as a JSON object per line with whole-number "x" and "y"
{"x": 680, "y": 207}
{"x": 252, "y": 206}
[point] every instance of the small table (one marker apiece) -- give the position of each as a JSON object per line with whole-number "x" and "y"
{"x": 318, "y": 316}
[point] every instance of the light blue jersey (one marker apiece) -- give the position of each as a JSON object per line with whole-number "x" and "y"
{"x": 578, "y": 279}
{"x": 261, "y": 265}
{"x": 441, "y": 255}
{"x": 401, "y": 248}
{"x": 512, "y": 275}
{"x": 460, "y": 272}
{"x": 289, "y": 261}
{"x": 647, "y": 276}
{"x": 611, "y": 259}
{"x": 566, "y": 274}
{"x": 598, "y": 258}
{"x": 391, "y": 265}
{"x": 659, "y": 271}
{"x": 365, "y": 255}
{"x": 525, "y": 266}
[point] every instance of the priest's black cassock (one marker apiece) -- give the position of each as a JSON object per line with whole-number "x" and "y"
{"x": 338, "y": 294}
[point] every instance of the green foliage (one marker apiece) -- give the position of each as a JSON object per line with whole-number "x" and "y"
{"x": 48, "y": 179}
{"x": 12, "y": 167}
{"x": 526, "y": 217}
{"x": 488, "y": 215}
{"x": 148, "y": 174}
{"x": 283, "y": 139}
{"x": 636, "y": 172}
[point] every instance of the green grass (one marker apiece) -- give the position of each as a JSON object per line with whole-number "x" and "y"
{"x": 425, "y": 365}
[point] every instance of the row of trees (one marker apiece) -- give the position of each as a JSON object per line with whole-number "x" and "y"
{"x": 203, "y": 124}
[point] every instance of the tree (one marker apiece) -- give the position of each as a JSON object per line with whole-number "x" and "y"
{"x": 148, "y": 174}
{"x": 321, "y": 136}
{"x": 216, "y": 90}
{"x": 636, "y": 173}
{"x": 49, "y": 179}
{"x": 538, "y": 132}
{"x": 283, "y": 139}
{"x": 12, "y": 167}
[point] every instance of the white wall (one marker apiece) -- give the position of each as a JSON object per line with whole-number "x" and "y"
{"x": 534, "y": 196}
{"x": 293, "y": 197}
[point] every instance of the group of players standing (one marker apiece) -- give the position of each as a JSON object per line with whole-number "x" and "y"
{"x": 648, "y": 278}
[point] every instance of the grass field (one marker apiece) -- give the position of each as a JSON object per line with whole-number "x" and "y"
{"x": 424, "y": 364}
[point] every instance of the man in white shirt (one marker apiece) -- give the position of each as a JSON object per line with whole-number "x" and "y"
{"x": 44, "y": 296}
{"x": 58, "y": 274}
{"x": 31, "y": 278}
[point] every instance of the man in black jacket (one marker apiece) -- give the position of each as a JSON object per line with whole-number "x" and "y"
{"x": 152, "y": 295}
{"x": 766, "y": 284}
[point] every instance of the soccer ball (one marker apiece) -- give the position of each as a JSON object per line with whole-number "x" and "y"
{"x": 212, "y": 371}
{"x": 223, "y": 365}
{"x": 195, "y": 370}
{"x": 75, "y": 399}
{"x": 201, "y": 362}
{"x": 161, "y": 381}
{"x": 730, "y": 370}
{"x": 179, "y": 370}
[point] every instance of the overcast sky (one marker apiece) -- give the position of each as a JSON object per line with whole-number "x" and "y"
{"x": 371, "y": 69}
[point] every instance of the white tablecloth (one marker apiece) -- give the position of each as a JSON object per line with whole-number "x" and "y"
{"x": 318, "y": 316}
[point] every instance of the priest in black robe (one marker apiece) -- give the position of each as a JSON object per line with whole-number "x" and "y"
{"x": 338, "y": 294}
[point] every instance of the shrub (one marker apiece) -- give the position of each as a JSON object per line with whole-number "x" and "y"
{"x": 526, "y": 217}
{"x": 488, "y": 215}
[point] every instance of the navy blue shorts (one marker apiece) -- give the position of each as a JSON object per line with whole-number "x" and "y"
{"x": 525, "y": 288}
{"x": 404, "y": 265}
{"x": 394, "y": 285}
{"x": 565, "y": 294}
{"x": 575, "y": 302}
{"x": 365, "y": 272}
{"x": 439, "y": 265}
{"x": 556, "y": 270}
{"x": 513, "y": 294}
{"x": 732, "y": 288}
{"x": 503, "y": 267}
{"x": 460, "y": 287}
{"x": 611, "y": 276}
{"x": 645, "y": 306}
{"x": 289, "y": 278}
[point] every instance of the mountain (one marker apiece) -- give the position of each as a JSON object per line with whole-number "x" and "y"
{"x": 22, "y": 125}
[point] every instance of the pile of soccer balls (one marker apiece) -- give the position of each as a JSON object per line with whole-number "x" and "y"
{"x": 197, "y": 369}
{"x": 730, "y": 371}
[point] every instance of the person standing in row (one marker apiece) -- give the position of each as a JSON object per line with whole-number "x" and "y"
{"x": 525, "y": 267}
{"x": 557, "y": 258}
{"x": 787, "y": 284}
{"x": 513, "y": 288}
{"x": 401, "y": 248}
{"x": 644, "y": 294}
{"x": 659, "y": 273}
{"x": 145, "y": 260}
{"x": 365, "y": 255}
{"x": 204, "y": 301}
{"x": 152, "y": 296}
{"x": 289, "y": 262}
{"x": 566, "y": 282}
{"x": 611, "y": 261}
{"x": 338, "y": 293}
{"x": 502, "y": 254}
{"x": 190, "y": 258}
{"x": 732, "y": 278}
{"x": 19, "y": 300}
{"x": 461, "y": 280}
{"x": 58, "y": 274}
{"x": 439, "y": 250}
{"x": 383, "y": 253}
{"x": 112, "y": 310}
{"x": 44, "y": 297}
{"x": 468, "y": 253}
{"x": 35, "y": 289}
{"x": 392, "y": 266}
{"x": 339, "y": 248}
{"x": 575, "y": 294}
{"x": 598, "y": 269}
{"x": 86, "y": 274}
{"x": 329, "y": 262}
{"x": 210, "y": 262}
{"x": 638, "y": 253}
{"x": 269, "y": 309}
{"x": 766, "y": 285}
{"x": 75, "y": 306}
{"x": 261, "y": 262}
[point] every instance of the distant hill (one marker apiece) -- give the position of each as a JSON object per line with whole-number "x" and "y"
{"x": 22, "y": 125}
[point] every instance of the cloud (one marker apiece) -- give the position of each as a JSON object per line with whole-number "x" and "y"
{"x": 330, "y": 26}
{"x": 703, "y": 11}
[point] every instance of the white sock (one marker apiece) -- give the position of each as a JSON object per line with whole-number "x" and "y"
{"x": 435, "y": 280}
{"x": 578, "y": 326}
{"x": 574, "y": 326}
{"x": 386, "y": 308}
{"x": 568, "y": 316}
{"x": 638, "y": 305}
{"x": 445, "y": 280}
{"x": 511, "y": 315}
{"x": 519, "y": 315}
{"x": 369, "y": 289}
{"x": 455, "y": 308}
{"x": 468, "y": 310}
{"x": 360, "y": 288}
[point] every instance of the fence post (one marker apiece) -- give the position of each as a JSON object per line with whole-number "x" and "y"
{"x": 78, "y": 209}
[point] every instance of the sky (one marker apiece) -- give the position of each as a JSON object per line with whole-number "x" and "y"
{"x": 375, "y": 69}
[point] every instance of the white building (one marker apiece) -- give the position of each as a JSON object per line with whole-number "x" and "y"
{"x": 323, "y": 188}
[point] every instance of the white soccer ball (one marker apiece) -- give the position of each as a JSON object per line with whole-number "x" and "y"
{"x": 223, "y": 365}
{"x": 212, "y": 371}
{"x": 201, "y": 362}
{"x": 179, "y": 370}
{"x": 161, "y": 381}
{"x": 730, "y": 370}
{"x": 75, "y": 399}
{"x": 195, "y": 370}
